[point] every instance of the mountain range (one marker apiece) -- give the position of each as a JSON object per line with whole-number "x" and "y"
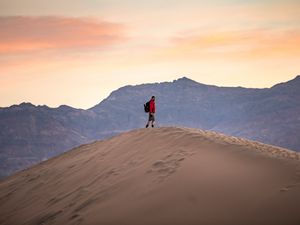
{"x": 30, "y": 134}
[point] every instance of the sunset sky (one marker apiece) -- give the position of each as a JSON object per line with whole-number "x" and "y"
{"x": 76, "y": 52}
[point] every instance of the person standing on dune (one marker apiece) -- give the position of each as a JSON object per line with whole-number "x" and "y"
{"x": 150, "y": 107}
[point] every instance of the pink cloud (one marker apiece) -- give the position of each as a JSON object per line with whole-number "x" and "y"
{"x": 238, "y": 43}
{"x": 20, "y": 34}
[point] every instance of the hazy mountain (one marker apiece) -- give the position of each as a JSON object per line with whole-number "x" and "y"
{"x": 31, "y": 133}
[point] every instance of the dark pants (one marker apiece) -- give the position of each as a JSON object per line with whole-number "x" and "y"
{"x": 151, "y": 117}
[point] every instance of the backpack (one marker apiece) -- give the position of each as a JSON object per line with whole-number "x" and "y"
{"x": 147, "y": 107}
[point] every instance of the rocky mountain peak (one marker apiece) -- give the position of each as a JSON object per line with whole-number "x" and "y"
{"x": 185, "y": 80}
{"x": 291, "y": 86}
{"x": 26, "y": 105}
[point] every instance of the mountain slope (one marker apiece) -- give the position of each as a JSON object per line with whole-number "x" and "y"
{"x": 31, "y": 133}
{"x": 158, "y": 176}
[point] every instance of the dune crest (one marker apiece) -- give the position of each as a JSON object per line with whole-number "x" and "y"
{"x": 162, "y": 176}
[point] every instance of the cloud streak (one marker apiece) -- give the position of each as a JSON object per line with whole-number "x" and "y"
{"x": 19, "y": 34}
{"x": 252, "y": 43}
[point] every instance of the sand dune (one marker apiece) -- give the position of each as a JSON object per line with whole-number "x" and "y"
{"x": 161, "y": 176}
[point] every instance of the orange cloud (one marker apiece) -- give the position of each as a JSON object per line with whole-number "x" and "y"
{"x": 22, "y": 34}
{"x": 240, "y": 43}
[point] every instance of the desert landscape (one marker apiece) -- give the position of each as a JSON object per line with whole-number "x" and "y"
{"x": 161, "y": 176}
{"x": 31, "y": 134}
{"x": 219, "y": 143}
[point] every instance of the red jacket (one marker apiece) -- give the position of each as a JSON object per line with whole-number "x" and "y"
{"x": 152, "y": 106}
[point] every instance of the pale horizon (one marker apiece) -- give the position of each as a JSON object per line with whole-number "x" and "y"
{"x": 62, "y": 104}
{"x": 77, "y": 52}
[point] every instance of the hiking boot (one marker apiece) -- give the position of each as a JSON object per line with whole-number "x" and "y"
{"x": 152, "y": 125}
{"x": 147, "y": 126}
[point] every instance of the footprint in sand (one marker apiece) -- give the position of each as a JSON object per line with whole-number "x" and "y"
{"x": 284, "y": 189}
{"x": 76, "y": 219}
{"x": 49, "y": 218}
{"x": 163, "y": 168}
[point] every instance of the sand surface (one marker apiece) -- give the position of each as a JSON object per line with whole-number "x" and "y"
{"x": 161, "y": 176}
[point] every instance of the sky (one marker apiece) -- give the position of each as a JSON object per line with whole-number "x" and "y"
{"x": 76, "y": 52}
